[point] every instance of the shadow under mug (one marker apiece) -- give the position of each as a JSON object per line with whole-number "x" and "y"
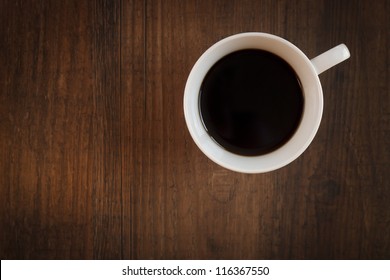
{"x": 307, "y": 71}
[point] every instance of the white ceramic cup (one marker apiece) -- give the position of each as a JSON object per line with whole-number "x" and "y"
{"x": 307, "y": 71}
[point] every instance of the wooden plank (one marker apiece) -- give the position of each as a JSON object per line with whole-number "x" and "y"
{"x": 133, "y": 111}
{"x": 60, "y": 136}
{"x": 317, "y": 207}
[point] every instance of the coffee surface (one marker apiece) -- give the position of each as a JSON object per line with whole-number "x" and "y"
{"x": 251, "y": 102}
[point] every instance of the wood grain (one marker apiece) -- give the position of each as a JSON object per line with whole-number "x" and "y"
{"x": 60, "y": 130}
{"x": 96, "y": 161}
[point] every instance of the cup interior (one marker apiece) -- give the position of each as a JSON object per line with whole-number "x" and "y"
{"x": 311, "y": 117}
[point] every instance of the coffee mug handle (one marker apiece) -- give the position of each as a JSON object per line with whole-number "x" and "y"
{"x": 330, "y": 58}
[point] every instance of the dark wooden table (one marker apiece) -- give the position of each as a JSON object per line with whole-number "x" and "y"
{"x": 96, "y": 161}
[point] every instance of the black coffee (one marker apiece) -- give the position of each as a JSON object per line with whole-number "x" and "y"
{"x": 251, "y": 102}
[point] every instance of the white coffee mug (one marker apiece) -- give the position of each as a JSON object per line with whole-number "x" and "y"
{"x": 307, "y": 71}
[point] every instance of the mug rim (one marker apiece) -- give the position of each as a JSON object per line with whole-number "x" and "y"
{"x": 311, "y": 117}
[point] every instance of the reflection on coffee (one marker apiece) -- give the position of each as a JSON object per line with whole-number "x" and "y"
{"x": 251, "y": 102}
